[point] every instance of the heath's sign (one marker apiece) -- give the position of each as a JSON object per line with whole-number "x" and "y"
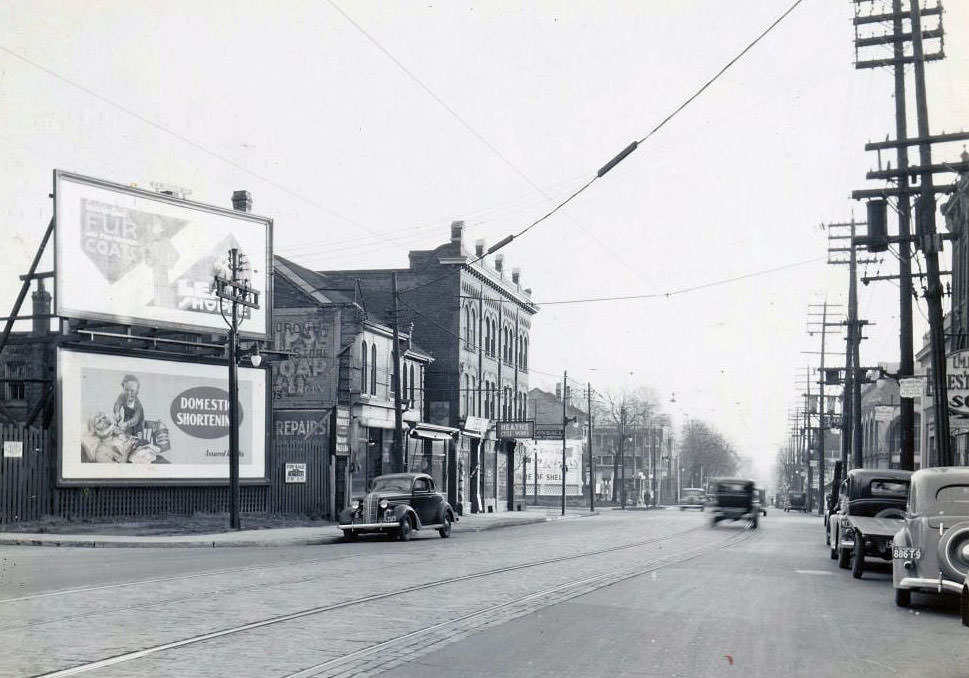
{"x": 125, "y": 418}
{"x": 128, "y": 255}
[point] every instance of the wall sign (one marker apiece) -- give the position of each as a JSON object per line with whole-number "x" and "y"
{"x": 295, "y": 473}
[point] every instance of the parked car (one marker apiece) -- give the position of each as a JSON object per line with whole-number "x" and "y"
{"x": 692, "y": 498}
{"x": 796, "y": 501}
{"x": 733, "y": 499}
{"x": 398, "y": 504}
{"x": 930, "y": 553}
{"x": 871, "y": 505}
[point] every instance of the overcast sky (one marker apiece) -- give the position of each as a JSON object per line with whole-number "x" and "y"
{"x": 363, "y": 129}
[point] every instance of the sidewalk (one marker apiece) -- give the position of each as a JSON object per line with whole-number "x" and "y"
{"x": 321, "y": 533}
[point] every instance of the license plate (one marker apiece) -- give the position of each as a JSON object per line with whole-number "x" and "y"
{"x": 906, "y": 552}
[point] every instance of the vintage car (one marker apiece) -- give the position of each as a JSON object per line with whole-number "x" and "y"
{"x": 733, "y": 499}
{"x": 398, "y": 504}
{"x": 871, "y": 505}
{"x": 692, "y": 498}
{"x": 796, "y": 501}
{"x": 930, "y": 552}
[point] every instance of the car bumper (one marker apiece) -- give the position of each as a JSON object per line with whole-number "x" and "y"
{"x": 939, "y": 585}
{"x": 368, "y": 527}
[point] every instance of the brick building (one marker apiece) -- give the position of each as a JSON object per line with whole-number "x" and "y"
{"x": 475, "y": 319}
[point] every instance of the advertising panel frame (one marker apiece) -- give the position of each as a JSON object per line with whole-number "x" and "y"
{"x": 132, "y": 318}
{"x": 264, "y": 435}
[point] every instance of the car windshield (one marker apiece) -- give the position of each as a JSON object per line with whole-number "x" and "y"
{"x": 731, "y": 487}
{"x": 692, "y": 495}
{"x": 391, "y": 485}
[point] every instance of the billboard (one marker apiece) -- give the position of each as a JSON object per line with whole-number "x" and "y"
{"x": 308, "y": 376}
{"x": 135, "y": 257}
{"x": 126, "y": 419}
{"x": 545, "y": 457}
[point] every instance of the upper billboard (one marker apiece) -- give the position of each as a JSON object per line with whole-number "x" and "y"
{"x": 135, "y": 257}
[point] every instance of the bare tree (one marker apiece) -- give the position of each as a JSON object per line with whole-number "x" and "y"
{"x": 705, "y": 453}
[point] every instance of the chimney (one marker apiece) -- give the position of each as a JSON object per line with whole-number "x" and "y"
{"x": 516, "y": 274}
{"x": 457, "y": 231}
{"x": 41, "y": 299}
{"x": 242, "y": 201}
{"x": 499, "y": 263}
{"x": 479, "y": 247}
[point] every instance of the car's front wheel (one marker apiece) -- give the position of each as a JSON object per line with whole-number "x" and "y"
{"x": 406, "y": 530}
{"x": 844, "y": 556}
{"x": 858, "y": 564}
{"x": 445, "y": 530}
{"x": 349, "y": 535}
{"x": 903, "y": 597}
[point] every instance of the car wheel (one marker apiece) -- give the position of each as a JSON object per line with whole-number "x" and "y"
{"x": 827, "y": 537}
{"x": 714, "y": 521}
{"x": 858, "y": 564}
{"x": 753, "y": 522}
{"x": 445, "y": 530}
{"x": 903, "y": 597}
{"x": 844, "y": 558}
{"x": 350, "y": 535}
{"x": 406, "y": 530}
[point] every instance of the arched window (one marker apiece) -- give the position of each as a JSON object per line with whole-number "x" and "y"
{"x": 487, "y": 337}
{"x": 466, "y": 396}
{"x": 467, "y": 327}
{"x": 494, "y": 338}
{"x": 364, "y": 377}
{"x": 373, "y": 369}
{"x": 474, "y": 330}
{"x": 412, "y": 400}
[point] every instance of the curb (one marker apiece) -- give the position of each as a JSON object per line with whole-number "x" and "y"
{"x": 99, "y": 541}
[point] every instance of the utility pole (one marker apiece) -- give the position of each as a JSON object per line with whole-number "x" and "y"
{"x": 926, "y": 237}
{"x": 565, "y": 423}
{"x": 399, "y": 461}
{"x": 592, "y": 470}
{"x": 622, "y": 456}
{"x": 236, "y": 290}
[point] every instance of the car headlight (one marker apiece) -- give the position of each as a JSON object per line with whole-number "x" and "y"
{"x": 384, "y": 503}
{"x": 356, "y": 505}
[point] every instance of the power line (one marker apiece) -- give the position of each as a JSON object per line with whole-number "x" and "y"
{"x": 684, "y": 290}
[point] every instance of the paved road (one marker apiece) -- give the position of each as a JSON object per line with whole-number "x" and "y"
{"x": 620, "y": 594}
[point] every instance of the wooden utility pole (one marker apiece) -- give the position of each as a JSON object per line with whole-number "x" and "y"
{"x": 926, "y": 237}
{"x": 399, "y": 461}
{"x": 565, "y": 424}
{"x": 592, "y": 470}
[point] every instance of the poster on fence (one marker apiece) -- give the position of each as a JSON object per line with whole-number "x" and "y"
{"x": 124, "y": 418}
{"x": 542, "y": 460}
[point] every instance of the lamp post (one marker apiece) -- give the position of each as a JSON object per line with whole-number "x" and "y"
{"x": 238, "y": 293}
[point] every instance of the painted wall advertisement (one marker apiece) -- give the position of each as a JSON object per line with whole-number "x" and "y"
{"x": 548, "y": 455}
{"x": 306, "y": 378}
{"x": 957, "y": 389}
{"x": 301, "y": 426}
{"x": 125, "y": 418}
{"x": 132, "y": 256}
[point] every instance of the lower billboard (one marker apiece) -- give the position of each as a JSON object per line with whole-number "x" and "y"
{"x": 124, "y": 419}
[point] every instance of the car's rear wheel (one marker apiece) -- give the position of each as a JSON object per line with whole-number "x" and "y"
{"x": 753, "y": 522}
{"x": 406, "y": 530}
{"x": 903, "y": 597}
{"x": 858, "y": 564}
{"x": 445, "y": 530}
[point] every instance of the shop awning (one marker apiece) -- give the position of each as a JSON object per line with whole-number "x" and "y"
{"x": 433, "y": 432}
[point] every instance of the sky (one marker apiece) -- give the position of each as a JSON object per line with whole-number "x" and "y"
{"x": 364, "y": 128}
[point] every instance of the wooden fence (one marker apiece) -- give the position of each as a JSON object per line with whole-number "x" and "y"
{"x": 25, "y": 474}
{"x": 310, "y": 495}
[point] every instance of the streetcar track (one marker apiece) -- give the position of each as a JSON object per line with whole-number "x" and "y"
{"x": 300, "y": 580}
{"x": 610, "y": 579}
{"x": 185, "y": 642}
